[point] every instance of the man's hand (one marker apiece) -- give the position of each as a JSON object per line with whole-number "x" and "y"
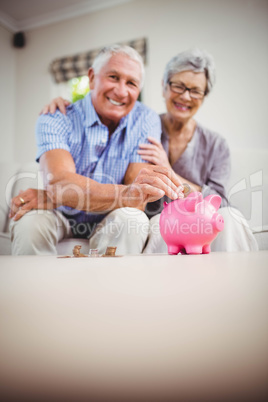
{"x": 57, "y": 103}
{"x": 28, "y": 200}
{"x": 154, "y": 153}
{"x": 151, "y": 184}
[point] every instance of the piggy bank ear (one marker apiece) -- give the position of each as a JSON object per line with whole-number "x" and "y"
{"x": 214, "y": 200}
{"x": 192, "y": 200}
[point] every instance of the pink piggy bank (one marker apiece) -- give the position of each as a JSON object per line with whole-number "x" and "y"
{"x": 190, "y": 224}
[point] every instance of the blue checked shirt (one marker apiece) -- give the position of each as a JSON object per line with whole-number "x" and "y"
{"x": 95, "y": 155}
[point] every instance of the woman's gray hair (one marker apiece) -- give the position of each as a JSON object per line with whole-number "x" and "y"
{"x": 195, "y": 60}
{"x": 107, "y": 52}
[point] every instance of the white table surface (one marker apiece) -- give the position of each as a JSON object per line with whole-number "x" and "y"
{"x": 147, "y": 327}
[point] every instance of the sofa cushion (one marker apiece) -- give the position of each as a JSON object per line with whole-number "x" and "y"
{"x": 262, "y": 239}
{"x": 248, "y": 187}
{"x": 5, "y": 244}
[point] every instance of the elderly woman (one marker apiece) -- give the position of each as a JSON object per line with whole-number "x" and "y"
{"x": 198, "y": 156}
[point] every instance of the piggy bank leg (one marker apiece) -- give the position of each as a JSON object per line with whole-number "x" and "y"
{"x": 193, "y": 249}
{"x": 174, "y": 249}
{"x": 206, "y": 249}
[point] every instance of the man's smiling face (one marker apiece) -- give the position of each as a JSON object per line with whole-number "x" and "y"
{"x": 115, "y": 89}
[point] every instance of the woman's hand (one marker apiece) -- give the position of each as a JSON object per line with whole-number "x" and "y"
{"x": 28, "y": 200}
{"x": 154, "y": 153}
{"x": 57, "y": 103}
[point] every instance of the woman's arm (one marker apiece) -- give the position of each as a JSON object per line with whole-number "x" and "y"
{"x": 219, "y": 173}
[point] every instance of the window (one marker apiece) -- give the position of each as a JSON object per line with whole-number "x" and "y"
{"x": 69, "y": 72}
{"x": 79, "y": 87}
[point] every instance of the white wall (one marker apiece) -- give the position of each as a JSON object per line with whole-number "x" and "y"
{"x": 7, "y": 96}
{"x": 234, "y": 31}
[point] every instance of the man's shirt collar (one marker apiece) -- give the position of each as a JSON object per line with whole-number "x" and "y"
{"x": 90, "y": 112}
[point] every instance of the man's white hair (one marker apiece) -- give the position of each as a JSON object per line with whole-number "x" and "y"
{"x": 107, "y": 52}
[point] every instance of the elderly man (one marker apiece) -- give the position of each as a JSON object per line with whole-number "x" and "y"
{"x": 96, "y": 184}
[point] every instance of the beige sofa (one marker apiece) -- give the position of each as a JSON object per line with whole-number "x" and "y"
{"x": 247, "y": 190}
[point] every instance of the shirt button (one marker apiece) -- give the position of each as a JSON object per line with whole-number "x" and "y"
{"x": 103, "y": 140}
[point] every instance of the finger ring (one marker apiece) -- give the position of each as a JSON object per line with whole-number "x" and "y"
{"x": 22, "y": 200}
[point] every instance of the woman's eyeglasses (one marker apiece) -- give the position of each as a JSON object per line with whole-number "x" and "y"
{"x": 180, "y": 89}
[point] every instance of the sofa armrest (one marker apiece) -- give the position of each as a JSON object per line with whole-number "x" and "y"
{"x": 7, "y": 173}
{"x": 21, "y": 178}
{"x": 248, "y": 187}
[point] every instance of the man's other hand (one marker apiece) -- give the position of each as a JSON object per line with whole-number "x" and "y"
{"x": 28, "y": 200}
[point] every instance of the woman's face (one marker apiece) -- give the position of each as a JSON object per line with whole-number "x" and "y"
{"x": 183, "y": 107}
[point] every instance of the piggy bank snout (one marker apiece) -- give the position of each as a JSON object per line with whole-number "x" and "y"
{"x": 218, "y": 222}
